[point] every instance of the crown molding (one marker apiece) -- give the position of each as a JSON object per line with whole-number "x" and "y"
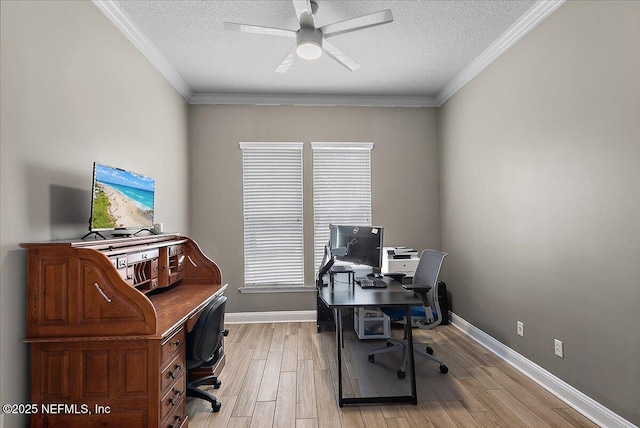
{"x": 112, "y": 10}
{"x": 534, "y": 16}
{"x": 314, "y": 100}
{"x": 538, "y": 13}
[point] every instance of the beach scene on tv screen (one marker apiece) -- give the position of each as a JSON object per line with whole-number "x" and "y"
{"x": 121, "y": 199}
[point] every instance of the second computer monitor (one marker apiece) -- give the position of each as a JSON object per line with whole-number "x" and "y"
{"x": 357, "y": 244}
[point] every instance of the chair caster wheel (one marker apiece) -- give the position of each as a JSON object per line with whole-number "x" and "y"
{"x": 217, "y": 384}
{"x": 389, "y": 344}
{"x": 429, "y": 350}
{"x": 444, "y": 369}
{"x": 215, "y": 407}
{"x": 401, "y": 374}
{"x": 372, "y": 358}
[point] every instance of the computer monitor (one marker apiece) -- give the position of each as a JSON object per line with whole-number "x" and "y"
{"x": 357, "y": 244}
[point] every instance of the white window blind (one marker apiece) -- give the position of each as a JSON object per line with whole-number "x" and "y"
{"x": 341, "y": 189}
{"x": 272, "y": 201}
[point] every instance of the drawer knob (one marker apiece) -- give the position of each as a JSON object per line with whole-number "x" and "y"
{"x": 177, "y": 391}
{"x": 176, "y": 343}
{"x": 178, "y": 418}
{"x": 177, "y": 368}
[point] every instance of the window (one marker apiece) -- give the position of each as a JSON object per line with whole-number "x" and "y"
{"x": 272, "y": 203}
{"x": 341, "y": 189}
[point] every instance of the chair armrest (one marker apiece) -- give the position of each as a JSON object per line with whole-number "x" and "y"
{"x": 417, "y": 288}
{"x": 422, "y": 290}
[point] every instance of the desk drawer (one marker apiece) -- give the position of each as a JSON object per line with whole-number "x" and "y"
{"x": 175, "y": 277}
{"x": 173, "y": 371}
{"x": 177, "y": 419}
{"x": 171, "y": 345}
{"x": 175, "y": 250}
{"x": 173, "y": 398}
{"x": 153, "y": 271}
{"x": 142, "y": 256}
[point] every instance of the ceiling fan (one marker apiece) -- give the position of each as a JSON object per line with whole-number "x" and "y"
{"x": 311, "y": 41}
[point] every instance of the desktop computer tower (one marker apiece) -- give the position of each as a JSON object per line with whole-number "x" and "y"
{"x": 443, "y": 299}
{"x": 324, "y": 316}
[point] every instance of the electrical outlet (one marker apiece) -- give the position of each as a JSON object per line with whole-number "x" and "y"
{"x": 559, "y": 350}
{"x": 520, "y": 328}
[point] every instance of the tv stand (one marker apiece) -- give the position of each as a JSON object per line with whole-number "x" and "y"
{"x": 143, "y": 230}
{"x": 96, "y": 234}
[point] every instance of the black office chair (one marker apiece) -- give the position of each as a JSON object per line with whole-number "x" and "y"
{"x": 424, "y": 317}
{"x": 204, "y": 349}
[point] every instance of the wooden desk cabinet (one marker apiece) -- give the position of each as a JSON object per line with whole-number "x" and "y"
{"x": 107, "y": 322}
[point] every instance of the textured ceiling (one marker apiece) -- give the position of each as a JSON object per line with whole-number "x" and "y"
{"x": 418, "y": 54}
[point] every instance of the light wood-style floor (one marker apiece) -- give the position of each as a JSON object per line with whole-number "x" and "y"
{"x": 284, "y": 375}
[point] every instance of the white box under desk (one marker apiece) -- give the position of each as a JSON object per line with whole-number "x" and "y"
{"x": 370, "y": 323}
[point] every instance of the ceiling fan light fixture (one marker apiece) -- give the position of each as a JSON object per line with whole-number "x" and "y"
{"x": 310, "y": 40}
{"x": 309, "y": 43}
{"x": 308, "y": 50}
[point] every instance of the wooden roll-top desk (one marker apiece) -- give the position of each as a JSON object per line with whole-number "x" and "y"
{"x": 107, "y": 322}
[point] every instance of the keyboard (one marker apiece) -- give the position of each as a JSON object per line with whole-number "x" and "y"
{"x": 370, "y": 283}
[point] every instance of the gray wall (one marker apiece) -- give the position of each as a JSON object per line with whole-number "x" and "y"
{"x": 404, "y": 163}
{"x": 538, "y": 189}
{"x": 74, "y": 91}
{"x": 540, "y": 197}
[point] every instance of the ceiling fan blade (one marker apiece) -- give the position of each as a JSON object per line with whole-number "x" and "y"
{"x": 360, "y": 23}
{"x": 340, "y": 56}
{"x": 256, "y": 29}
{"x": 286, "y": 63}
{"x": 303, "y": 12}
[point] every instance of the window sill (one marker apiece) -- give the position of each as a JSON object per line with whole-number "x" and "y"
{"x": 276, "y": 289}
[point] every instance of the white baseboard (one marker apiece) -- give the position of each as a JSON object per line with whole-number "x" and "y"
{"x": 590, "y": 408}
{"x": 265, "y": 317}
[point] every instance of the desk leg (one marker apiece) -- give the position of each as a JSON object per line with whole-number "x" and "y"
{"x": 414, "y": 394}
{"x": 339, "y": 338}
{"x": 413, "y": 398}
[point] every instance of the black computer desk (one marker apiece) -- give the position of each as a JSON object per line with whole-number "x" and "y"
{"x": 338, "y": 298}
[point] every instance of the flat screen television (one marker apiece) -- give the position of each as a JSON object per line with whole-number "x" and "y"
{"x": 360, "y": 245}
{"x": 121, "y": 201}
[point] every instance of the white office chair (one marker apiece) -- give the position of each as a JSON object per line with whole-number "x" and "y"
{"x": 424, "y": 317}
